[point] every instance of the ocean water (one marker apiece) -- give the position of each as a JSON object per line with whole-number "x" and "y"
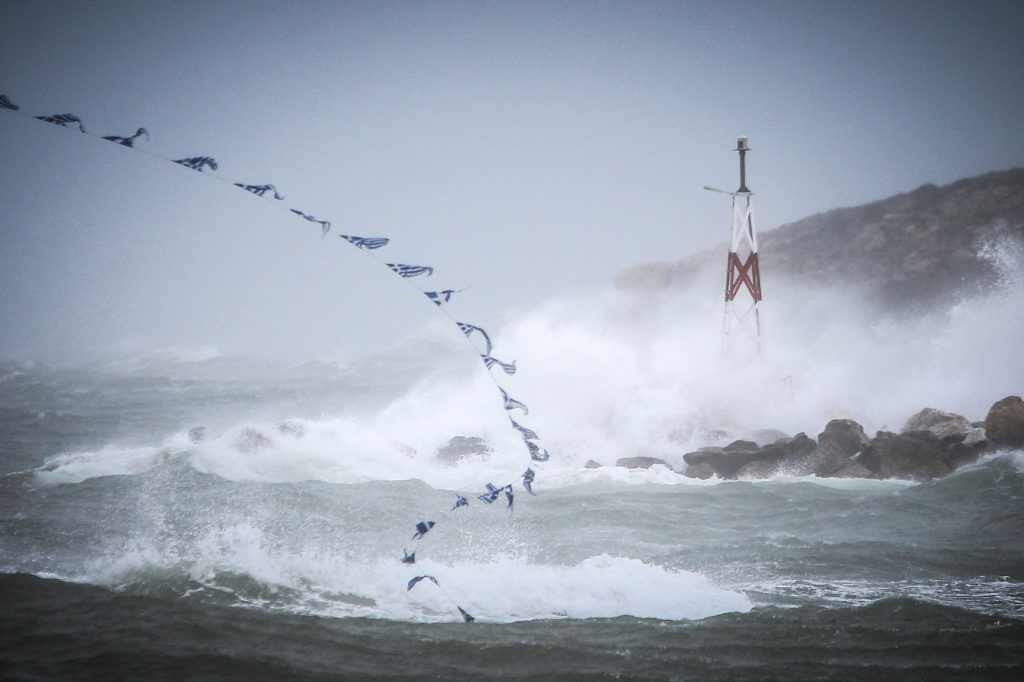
{"x": 189, "y": 515}
{"x": 270, "y": 548}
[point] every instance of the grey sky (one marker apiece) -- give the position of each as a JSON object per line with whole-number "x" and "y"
{"x": 525, "y": 149}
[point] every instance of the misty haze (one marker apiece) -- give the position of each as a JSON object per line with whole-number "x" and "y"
{"x": 346, "y": 340}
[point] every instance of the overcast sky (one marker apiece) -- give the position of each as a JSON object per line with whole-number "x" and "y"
{"x": 523, "y": 149}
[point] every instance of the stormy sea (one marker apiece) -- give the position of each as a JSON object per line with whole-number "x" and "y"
{"x": 189, "y": 515}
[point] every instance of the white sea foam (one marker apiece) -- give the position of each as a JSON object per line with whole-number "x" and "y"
{"x": 612, "y": 376}
{"x": 505, "y": 589}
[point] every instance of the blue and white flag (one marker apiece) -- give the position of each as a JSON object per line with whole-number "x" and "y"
{"x": 537, "y": 453}
{"x": 491, "y": 495}
{"x": 421, "y": 529}
{"x": 260, "y": 190}
{"x": 468, "y": 329}
{"x": 126, "y": 141}
{"x": 527, "y": 433}
{"x": 510, "y": 496}
{"x": 411, "y": 270}
{"x": 440, "y": 297}
{"x": 507, "y": 367}
{"x": 365, "y": 242}
{"x": 196, "y": 163}
{"x": 528, "y": 480}
{"x": 63, "y": 120}
{"x": 325, "y": 224}
{"x": 7, "y": 104}
{"x": 511, "y": 403}
{"x": 412, "y": 583}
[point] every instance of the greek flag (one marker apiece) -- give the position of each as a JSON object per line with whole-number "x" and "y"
{"x": 326, "y": 224}
{"x": 412, "y": 583}
{"x": 528, "y": 480}
{"x": 365, "y": 242}
{"x": 468, "y": 329}
{"x": 63, "y": 120}
{"x": 511, "y": 403}
{"x": 7, "y": 104}
{"x": 126, "y": 141}
{"x": 537, "y": 454}
{"x": 491, "y": 495}
{"x": 421, "y": 529}
{"x": 411, "y": 270}
{"x": 527, "y": 433}
{"x": 196, "y": 163}
{"x": 439, "y": 297}
{"x": 260, "y": 190}
{"x": 508, "y": 367}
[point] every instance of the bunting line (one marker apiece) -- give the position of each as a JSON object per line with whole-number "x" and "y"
{"x": 441, "y": 297}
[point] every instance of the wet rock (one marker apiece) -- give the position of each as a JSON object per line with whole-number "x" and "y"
{"x": 250, "y": 440}
{"x": 591, "y": 464}
{"x": 786, "y": 450}
{"x": 841, "y": 440}
{"x": 916, "y": 455}
{"x": 757, "y": 469}
{"x": 701, "y": 470}
{"x": 197, "y": 434}
{"x": 291, "y": 428}
{"x": 1004, "y": 425}
{"x": 745, "y": 459}
{"x": 460, "y": 448}
{"x": 723, "y": 462}
{"x": 640, "y": 462}
{"x": 854, "y": 470}
{"x": 939, "y": 423}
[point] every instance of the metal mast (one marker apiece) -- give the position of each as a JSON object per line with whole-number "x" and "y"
{"x": 742, "y": 319}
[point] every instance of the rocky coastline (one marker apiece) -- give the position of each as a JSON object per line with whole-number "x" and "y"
{"x": 932, "y": 444}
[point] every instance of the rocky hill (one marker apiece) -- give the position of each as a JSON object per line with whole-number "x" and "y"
{"x": 915, "y": 249}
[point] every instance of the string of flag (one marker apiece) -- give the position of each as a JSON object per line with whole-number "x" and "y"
{"x": 473, "y": 334}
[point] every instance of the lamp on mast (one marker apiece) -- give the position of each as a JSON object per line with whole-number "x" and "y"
{"x": 742, "y": 267}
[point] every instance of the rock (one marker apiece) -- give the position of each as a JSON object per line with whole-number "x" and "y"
{"x": 741, "y": 446}
{"x": 757, "y": 469}
{"x": 939, "y": 423}
{"x": 464, "y": 447}
{"x": 591, "y": 464}
{"x": 1004, "y": 425}
{"x": 916, "y": 455}
{"x": 787, "y": 449}
{"x": 197, "y": 434}
{"x": 640, "y": 462}
{"x": 290, "y": 428}
{"x": 841, "y": 440}
{"x": 251, "y": 440}
{"x": 854, "y": 471}
{"x": 723, "y": 463}
{"x": 701, "y": 470}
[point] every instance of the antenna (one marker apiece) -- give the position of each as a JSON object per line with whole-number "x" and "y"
{"x": 742, "y": 267}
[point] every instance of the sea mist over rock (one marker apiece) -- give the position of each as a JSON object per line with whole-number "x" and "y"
{"x": 931, "y": 320}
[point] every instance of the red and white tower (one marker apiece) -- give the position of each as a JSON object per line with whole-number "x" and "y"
{"x": 741, "y": 325}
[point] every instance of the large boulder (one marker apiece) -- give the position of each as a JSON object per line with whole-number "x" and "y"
{"x": 722, "y": 462}
{"x": 916, "y": 455}
{"x": 746, "y": 459}
{"x": 640, "y": 462}
{"x": 1004, "y": 425}
{"x": 460, "y": 448}
{"x": 838, "y": 444}
{"x": 939, "y": 423}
